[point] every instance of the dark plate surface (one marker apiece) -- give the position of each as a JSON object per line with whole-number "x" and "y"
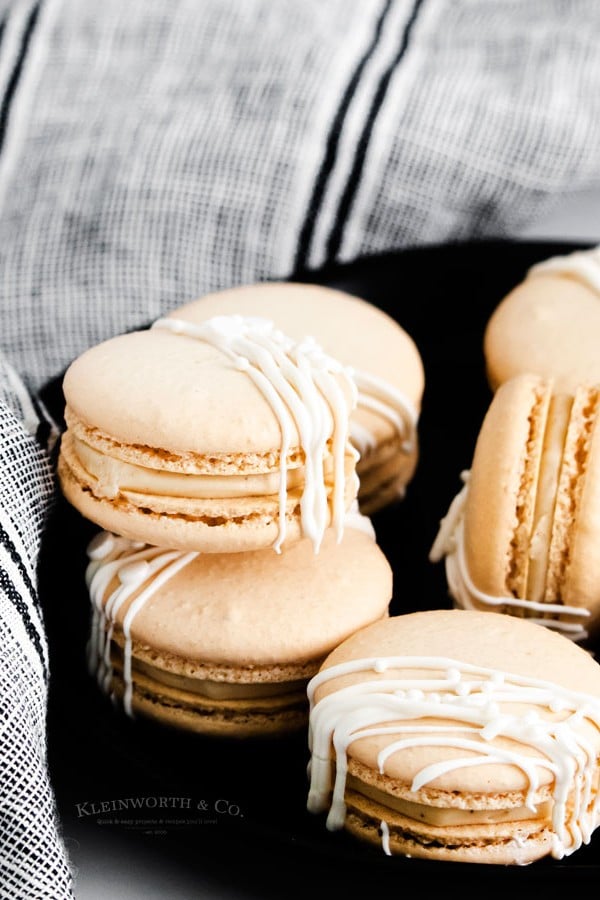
{"x": 236, "y": 809}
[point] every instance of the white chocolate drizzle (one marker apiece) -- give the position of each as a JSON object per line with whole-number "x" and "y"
{"x": 472, "y": 698}
{"x": 134, "y": 565}
{"x": 382, "y": 398}
{"x": 357, "y": 520}
{"x": 302, "y": 385}
{"x": 449, "y": 544}
{"x": 385, "y": 838}
{"x": 582, "y": 265}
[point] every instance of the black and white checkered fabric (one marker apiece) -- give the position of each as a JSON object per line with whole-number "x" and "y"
{"x": 32, "y": 860}
{"x": 154, "y": 150}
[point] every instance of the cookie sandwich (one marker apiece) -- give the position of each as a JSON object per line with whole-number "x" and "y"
{"x": 458, "y": 735}
{"x": 383, "y": 357}
{"x": 220, "y": 436}
{"x": 224, "y": 644}
{"x": 522, "y": 535}
{"x": 549, "y": 324}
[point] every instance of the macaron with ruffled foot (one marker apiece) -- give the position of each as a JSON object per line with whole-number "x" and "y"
{"x": 224, "y": 644}
{"x": 522, "y": 535}
{"x": 220, "y": 436}
{"x": 460, "y": 736}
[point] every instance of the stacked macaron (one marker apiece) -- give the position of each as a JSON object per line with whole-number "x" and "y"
{"x": 224, "y": 436}
{"x": 224, "y": 644}
{"x": 215, "y": 455}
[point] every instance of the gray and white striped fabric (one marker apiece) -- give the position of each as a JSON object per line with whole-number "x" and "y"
{"x": 154, "y": 150}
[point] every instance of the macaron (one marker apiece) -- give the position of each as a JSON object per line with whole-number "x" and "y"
{"x": 549, "y": 324}
{"x": 224, "y": 644}
{"x": 522, "y": 536}
{"x": 224, "y": 436}
{"x": 383, "y": 357}
{"x": 458, "y": 735}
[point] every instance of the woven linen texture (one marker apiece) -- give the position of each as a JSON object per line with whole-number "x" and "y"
{"x": 32, "y": 857}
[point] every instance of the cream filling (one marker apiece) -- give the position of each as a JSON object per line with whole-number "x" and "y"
{"x": 114, "y": 475}
{"x": 555, "y": 435}
{"x": 220, "y": 690}
{"x": 444, "y": 816}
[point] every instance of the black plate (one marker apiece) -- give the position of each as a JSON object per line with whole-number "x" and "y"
{"x": 236, "y": 809}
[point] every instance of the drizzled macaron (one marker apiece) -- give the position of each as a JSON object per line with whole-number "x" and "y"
{"x": 549, "y": 323}
{"x": 221, "y": 436}
{"x": 224, "y": 644}
{"x": 458, "y": 735}
{"x": 383, "y": 357}
{"x": 522, "y": 535}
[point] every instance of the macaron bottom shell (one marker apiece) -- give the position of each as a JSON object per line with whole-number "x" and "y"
{"x": 210, "y": 526}
{"x": 173, "y": 707}
{"x": 519, "y": 843}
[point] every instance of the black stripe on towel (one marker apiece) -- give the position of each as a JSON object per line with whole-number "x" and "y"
{"x": 331, "y": 147}
{"x": 10, "y": 548}
{"x": 17, "y": 70}
{"x": 21, "y": 607}
{"x": 347, "y": 199}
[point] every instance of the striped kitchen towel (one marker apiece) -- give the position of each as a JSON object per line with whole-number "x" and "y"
{"x": 154, "y": 150}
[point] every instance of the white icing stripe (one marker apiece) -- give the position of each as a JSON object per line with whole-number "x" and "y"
{"x": 177, "y": 562}
{"x": 380, "y": 397}
{"x": 468, "y": 694}
{"x": 449, "y": 543}
{"x": 298, "y": 380}
{"x": 358, "y": 521}
{"x": 385, "y": 838}
{"x": 584, "y": 265}
{"x": 134, "y": 565}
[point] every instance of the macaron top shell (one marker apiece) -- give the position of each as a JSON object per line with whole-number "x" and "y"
{"x": 349, "y": 328}
{"x": 493, "y": 641}
{"x": 548, "y": 324}
{"x": 160, "y": 390}
{"x": 261, "y": 608}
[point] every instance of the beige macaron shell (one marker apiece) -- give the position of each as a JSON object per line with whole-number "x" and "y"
{"x": 263, "y": 608}
{"x": 157, "y": 389}
{"x": 352, "y": 330}
{"x": 173, "y": 393}
{"x": 513, "y": 843}
{"x": 503, "y": 479}
{"x": 548, "y": 324}
{"x": 491, "y": 640}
